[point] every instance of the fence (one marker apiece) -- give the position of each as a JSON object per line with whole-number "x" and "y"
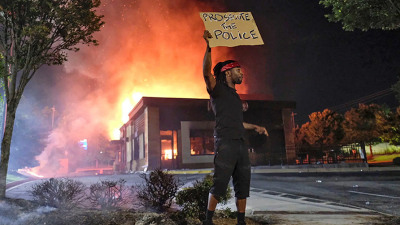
{"x": 329, "y": 155}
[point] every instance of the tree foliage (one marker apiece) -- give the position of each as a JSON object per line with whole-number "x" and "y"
{"x": 391, "y": 129}
{"x": 324, "y": 129}
{"x": 396, "y": 89}
{"x": 34, "y": 33}
{"x": 364, "y": 14}
{"x": 364, "y": 124}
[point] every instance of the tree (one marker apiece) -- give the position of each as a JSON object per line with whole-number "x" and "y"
{"x": 2, "y": 94}
{"x": 324, "y": 129}
{"x": 396, "y": 89}
{"x": 34, "y": 33}
{"x": 391, "y": 128}
{"x": 363, "y": 125}
{"x": 364, "y": 14}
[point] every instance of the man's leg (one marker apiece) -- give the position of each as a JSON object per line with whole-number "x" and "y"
{"x": 241, "y": 210}
{"x": 212, "y": 204}
{"x": 241, "y": 205}
{"x": 241, "y": 182}
{"x": 223, "y": 167}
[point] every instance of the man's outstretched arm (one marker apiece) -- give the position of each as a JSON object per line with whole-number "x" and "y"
{"x": 258, "y": 129}
{"x": 208, "y": 76}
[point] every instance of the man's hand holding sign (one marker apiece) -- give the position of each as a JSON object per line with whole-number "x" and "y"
{"x": 231, "y": 154}
{"x": 231, "y": 28}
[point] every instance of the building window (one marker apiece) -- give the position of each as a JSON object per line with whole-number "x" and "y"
{"x": 201, "y": 142}
{"x": 141, "y": 146}
{"x": 138, "y": 147}
{"x": 169, "y": 144}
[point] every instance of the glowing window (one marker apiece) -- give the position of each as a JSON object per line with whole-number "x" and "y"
{"x": 169, "y": 144}
{"x": 201, "y": 142}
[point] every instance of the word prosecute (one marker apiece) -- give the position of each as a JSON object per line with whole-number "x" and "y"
{"x": 231, "y": 36}
{"x": 216, "y": 17}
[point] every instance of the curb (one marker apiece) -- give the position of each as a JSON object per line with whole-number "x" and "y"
{"x": 295, "y": 170}
{"x": 202, "y": 171}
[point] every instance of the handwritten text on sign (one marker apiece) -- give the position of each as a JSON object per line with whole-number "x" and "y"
{"x": 231, "y": 28}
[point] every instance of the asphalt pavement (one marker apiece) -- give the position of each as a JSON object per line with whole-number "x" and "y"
{"x": 284, "y": 208}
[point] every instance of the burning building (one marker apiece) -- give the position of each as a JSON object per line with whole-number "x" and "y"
{"x": 177, "y": 133}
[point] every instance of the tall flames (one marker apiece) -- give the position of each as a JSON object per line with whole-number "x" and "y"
{"x": 148, "y": 48}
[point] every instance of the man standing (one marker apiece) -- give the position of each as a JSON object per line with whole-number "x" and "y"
{"x": 231, "y": 155}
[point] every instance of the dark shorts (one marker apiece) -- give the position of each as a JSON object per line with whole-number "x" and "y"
{"x": 231, "y": 160}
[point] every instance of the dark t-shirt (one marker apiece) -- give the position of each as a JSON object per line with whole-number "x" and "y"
{"x": 228, "y": 112}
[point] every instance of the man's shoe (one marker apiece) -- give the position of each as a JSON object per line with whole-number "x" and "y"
{"x": 241, "y": 223}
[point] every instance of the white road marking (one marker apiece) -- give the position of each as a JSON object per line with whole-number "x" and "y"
{"x": 384, "y": 196}
{"x": 9, "y": 189}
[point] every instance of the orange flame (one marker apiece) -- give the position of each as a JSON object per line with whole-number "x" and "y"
{"x": 155, "y": 50}
{"x": 29, "y": 172}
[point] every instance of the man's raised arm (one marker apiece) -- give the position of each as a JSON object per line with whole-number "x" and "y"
{"x": 208, "y": 76}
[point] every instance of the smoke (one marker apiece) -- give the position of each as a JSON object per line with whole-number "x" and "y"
{"x": 147, "y": 48}
{"x": 15, "y": 215}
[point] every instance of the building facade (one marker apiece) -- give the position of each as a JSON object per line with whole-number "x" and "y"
{"x": 177, "y": 133}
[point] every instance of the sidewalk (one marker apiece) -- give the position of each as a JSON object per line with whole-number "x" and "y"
{"x": 280, "y": 208}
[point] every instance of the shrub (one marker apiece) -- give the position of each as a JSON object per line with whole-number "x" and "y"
{"x": 59, "y": 193}
{"x": 227, "y": 213}
{"x": 109, "y": 194}
{"x": 158, "y": 190}
{"x": 194, "y": 199}
{"x": 396, "y": 161}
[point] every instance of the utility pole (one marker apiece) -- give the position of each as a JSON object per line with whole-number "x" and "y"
{"x": 293, "y": 123}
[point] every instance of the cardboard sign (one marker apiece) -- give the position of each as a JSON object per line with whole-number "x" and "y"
{"x": 231, "y": 28}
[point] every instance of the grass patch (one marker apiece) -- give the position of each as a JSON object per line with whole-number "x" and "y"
{"x": 384, "y": 158}
{"x": 12, "y": 178}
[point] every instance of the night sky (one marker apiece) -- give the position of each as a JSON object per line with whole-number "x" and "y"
{"x": 305, "y": 59}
